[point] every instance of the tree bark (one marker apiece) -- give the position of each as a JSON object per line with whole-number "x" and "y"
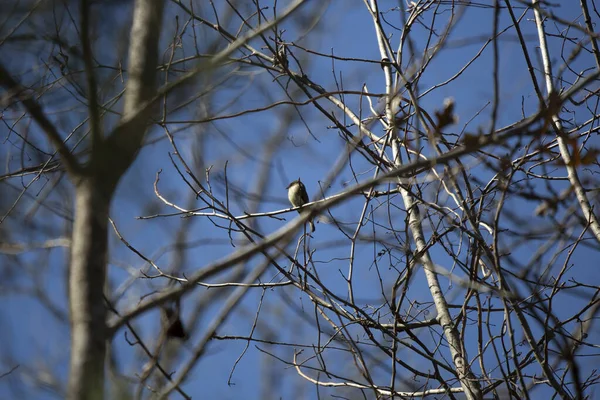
{"x": 86, "y": 284}
{"x": 94, "y": 189}
{"x": 467, "y": 379}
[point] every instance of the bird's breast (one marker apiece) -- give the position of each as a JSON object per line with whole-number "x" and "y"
{"x": 294, "y": 195}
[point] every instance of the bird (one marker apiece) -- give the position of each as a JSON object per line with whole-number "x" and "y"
{"x": 298, "y": 197}
{"x": 172, "y": 323}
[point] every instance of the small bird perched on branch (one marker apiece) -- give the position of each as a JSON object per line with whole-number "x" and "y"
{"x": 298, "y": 197}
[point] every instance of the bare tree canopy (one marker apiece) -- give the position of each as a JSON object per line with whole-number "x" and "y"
{"x": 446, "y": 151}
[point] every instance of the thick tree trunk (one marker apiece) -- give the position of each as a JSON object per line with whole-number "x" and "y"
{"x": 86, "y": 286}
{"x": 94, "y": 189}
